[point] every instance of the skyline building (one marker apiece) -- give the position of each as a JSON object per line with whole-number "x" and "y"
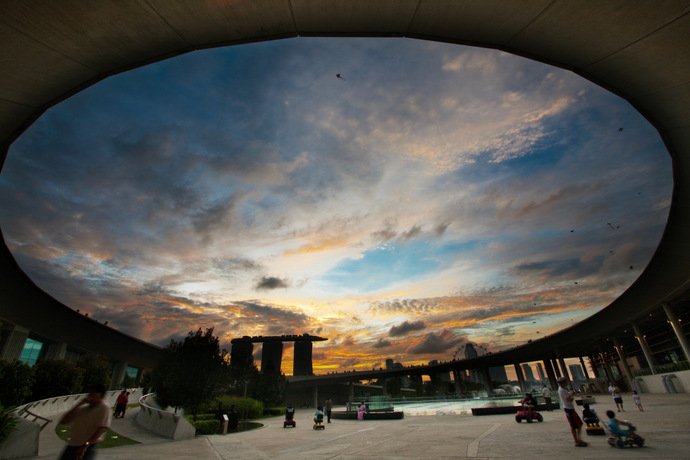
{"x": 303, "y": 357}
{"x": 527, "y": 372}
{"x": 576, "y": 372}
{"x": 271, "y": 357}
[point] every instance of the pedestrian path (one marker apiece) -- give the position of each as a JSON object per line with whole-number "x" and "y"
{"x": 665, "y": 424}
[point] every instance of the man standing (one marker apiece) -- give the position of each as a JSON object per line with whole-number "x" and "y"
{"x": 89, "y": 419}
{"x": 329, "y": 409}
{"x": 617, "y": 397}
{"x": 574, "y": 420}
{"x": 546, "y": 392}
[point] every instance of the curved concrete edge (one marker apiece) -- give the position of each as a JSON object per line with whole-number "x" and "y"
{"x": 22, "y": 442}
{"x": 162, "y": 422}
{"x": 50, "y": 407}
{"x": 665, "y": 383}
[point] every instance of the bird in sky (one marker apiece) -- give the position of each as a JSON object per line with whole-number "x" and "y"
{"x": 339, "y": 76}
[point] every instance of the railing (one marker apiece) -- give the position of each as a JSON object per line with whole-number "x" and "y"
{"x": 26, "y": 413}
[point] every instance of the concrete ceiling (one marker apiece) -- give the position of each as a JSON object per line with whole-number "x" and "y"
{"x": 640, "y": 50}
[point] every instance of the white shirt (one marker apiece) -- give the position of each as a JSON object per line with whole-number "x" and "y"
{"x": 546, "y": 393}
{"x": 86, "y": 421}
{"x": 566, "y": 398}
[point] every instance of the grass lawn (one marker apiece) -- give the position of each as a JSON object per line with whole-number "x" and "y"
{"x": 111, "y": 439}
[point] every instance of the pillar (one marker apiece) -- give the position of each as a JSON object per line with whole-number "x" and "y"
{"x": 678, "y": 330}
{"x": 605, "y": 366}
{"x": 584, "y": 368}
{"x": 14, "y": 344}
{"x": 56, "y": 351}
{"x": 118, "y": 375}
{"x": 592, "y": 362}
{"x": 564, "y": 368}
{"x": 645, "y": 348}
{"x": 520, "y": 377}
{"x": 550, "y": 374}
{"x": 624, "y": 363}
{"x": 554, "y": 366}
{"x": 316, "y": 396}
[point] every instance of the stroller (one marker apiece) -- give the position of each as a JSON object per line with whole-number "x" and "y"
{"x": 290, "y": 418}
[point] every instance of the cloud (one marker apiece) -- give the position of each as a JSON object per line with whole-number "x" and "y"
{"x": 411, "y": 233}
{"x": 271, "y": 282}
{"x": 382, "y": 343}
{"x": 435, "y": 343}
{"x": 406, "y": 327}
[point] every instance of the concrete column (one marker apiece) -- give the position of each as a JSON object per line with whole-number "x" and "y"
{"x": 14, "y": 344}
{"x": 624, "y": 363}
{"x": 678, "y": 330}
{"x": 316, "y": 396}
{"x": 56, "y": 351}
{"x": 564, "y": 368}
{"x": 592, "y": 362}
{"x": 584, "y": 368}
{"x": 605, "y": 366}
{"x": 520, "y": 377}
{"x": 554, "y": 366}
{"x": 550, "y": 374}
{"x": 118, "y": 375}
{"x": 648, "y": 355}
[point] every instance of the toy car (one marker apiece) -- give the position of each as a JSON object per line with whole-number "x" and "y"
{"x": 528, "y": 413}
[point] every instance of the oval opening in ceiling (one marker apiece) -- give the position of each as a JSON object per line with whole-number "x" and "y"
{"x": 400, "y": 197}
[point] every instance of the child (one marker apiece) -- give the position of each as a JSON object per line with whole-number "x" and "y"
{"x": 637, "y": 401}
{"x": 589, "y": 416}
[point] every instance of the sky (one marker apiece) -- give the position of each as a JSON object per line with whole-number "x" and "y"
{"x": 398, "y": 197}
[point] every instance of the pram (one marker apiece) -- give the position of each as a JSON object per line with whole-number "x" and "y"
{"x": 290, "y": 418}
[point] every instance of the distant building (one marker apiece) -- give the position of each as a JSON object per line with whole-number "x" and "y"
{"x": 303, "y": 358}
{"x": 271, "y": 357}
{"x": 470, "y": 351}
{"x": 241, "y": 355}
{"x": 498, "y": 374}
{"x": 527, "y": 372}
{"x": 576, "y": 373}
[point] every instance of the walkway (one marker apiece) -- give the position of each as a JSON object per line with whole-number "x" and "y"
{"x": 665, "y": 424}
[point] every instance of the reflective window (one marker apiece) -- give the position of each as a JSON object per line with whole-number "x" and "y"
{"x": 30, "y": 353}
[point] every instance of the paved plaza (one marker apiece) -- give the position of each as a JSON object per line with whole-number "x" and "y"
{"x": 665, "y": 425}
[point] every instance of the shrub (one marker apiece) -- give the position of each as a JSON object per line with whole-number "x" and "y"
{"x": 272, "y": 411}
{"x": 55, "y": 378}
{"x": 206, "y": 426}
{"x": 202, "y": 417}
{"x": 247, "y": 407}
{"x": 7, "y": 423}
{"x": 16, "y": 380}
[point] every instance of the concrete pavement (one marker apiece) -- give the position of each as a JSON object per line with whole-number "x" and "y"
{"x": 665, "y": 425}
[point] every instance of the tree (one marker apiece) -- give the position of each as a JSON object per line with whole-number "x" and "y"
{"x": 16, "y": 380}
{"x": 193, "y": 373}
{"x": 55, "y": 378}
{"x": 96, "y": 369}
{"x": 269, "y": 388}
